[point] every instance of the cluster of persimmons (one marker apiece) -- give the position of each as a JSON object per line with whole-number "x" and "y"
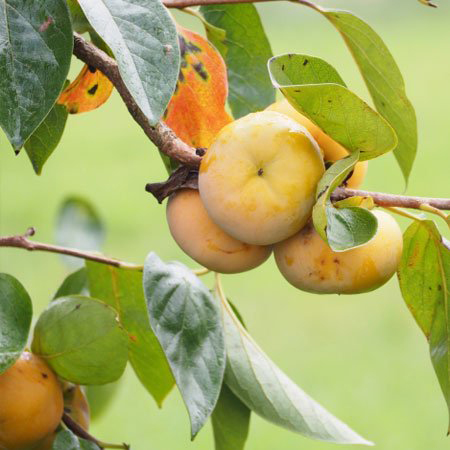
{"x": 257, "y": 185}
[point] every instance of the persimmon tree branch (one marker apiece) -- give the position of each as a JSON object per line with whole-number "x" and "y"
{"x": 160, "y": 134}
{"x": 168, "y": 142}
{"x": 22, "y": 241}
{"x": 382, "y": 199}
{"x": 179, "y": 4}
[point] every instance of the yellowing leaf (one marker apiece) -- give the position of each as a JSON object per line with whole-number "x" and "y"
{"x": 196, "y": 111}
{"x": 87, "y": 92}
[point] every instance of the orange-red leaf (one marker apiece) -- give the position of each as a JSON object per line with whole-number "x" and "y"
{"x": 196, "y": 111}
{"x": 88, "y": 91}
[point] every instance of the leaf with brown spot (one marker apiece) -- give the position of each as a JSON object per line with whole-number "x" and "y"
{"x": 196, "y": 111}
{"x": 122, "y": 289}
{"x": 424, "y": 278}
{"x": 88, "y": 91}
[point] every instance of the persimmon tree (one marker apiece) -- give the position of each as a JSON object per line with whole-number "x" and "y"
{"x": 182, "y": 89}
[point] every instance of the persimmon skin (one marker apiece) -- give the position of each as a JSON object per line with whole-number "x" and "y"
{"x": 31, "y": 403}
{"x": 259, "y": 176}
{"x": 332, "y": 150}
{"x": 204, "y": 241}
{"x": 309, "y": 264}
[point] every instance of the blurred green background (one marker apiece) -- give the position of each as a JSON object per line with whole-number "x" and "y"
{"x": 361, "y": 356}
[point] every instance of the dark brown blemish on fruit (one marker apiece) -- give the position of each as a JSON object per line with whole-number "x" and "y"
{"x": 260, "y": 172}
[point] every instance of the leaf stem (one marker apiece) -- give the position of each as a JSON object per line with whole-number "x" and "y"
{"x": 22, "y": 241}
{"x": 200, "y": 272}
{"x": 438, "y": 212}
{"x": 401, "y": 212}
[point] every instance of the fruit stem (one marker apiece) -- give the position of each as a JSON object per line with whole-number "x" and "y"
{"x": 79, "y": 431}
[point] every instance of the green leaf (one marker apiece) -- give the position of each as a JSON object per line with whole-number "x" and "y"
{"x": 230, "y": 421}
{"x": 66, "y": 440}
{"x": 314, "y": 88}
{"x": 342, "y": 228}
{"x": 143, "y": 38}
{"x": 82, "y": 340}
{"x": 246, "y": 55}
{"x": 424, "y": 277}
{"x": 384, "y": 81}
{"x": 186, "y": 319}
{"x": 122, "y": 289}
{"x": 35, "y": 53}
{"x": 75, "y": 283}
{"x": 79, "y": 226}
{"x": 267, "y": 391}
{"x": 349, "y": 227}
{"x": 15, "y": 320}
{"x": 217, "y": 36}
{"x": 46, "y": 137}
{"x": 99, "y": 397}
{"x": 79, "y": 22}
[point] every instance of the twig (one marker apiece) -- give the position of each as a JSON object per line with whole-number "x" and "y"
{"x": 160, "y": 134}
{"x": 179, "y": 4}
{"x": 25, "y": 243}
{"x": 185, "y": 3}
{"x": 382, "y": 199}
{"x": 79, "y": 431}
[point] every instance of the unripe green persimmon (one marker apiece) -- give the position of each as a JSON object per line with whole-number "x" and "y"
{"x": 205, "y": 242}
{"x": 31, "y": 403}
{"x": 258, "y": 178}
{"x": 332, "y": 150}
{"x": 309, "y": 264}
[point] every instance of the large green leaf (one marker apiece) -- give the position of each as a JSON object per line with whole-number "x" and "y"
{"x": 186, "y": 319}
{"x": 314, "y": 88}
{"x": 143, "y": 38}
{"x": 82, "y": 340}
{"x": 122, "y": 289}
{"x": 245, "y": 49}
{"x": 267, "y": 391}
{"x": 424, "y": 277}
{"x": 345, "y": 227}
{"x": 46, "y": 137}
{"x": 15, "y": 320}
{"x": 75, "y": 283}
{"x": 35, "y": 50}
{"x": 66, "y": 440}
{"x": 230, "y": 421}
{"x": 78, "y": 225}
{"x": 383, "y": 79}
